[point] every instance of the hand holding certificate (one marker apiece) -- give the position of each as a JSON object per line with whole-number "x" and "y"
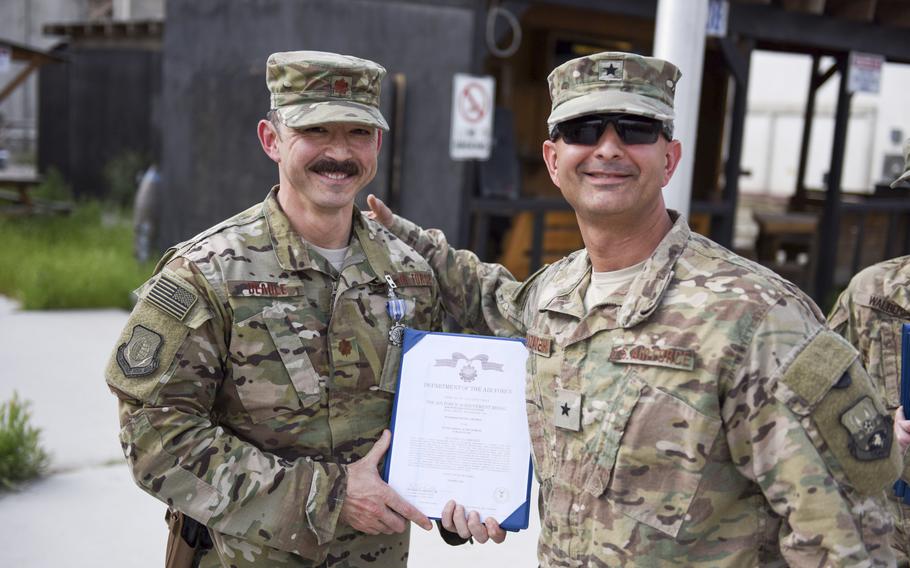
{"x": 460, "y": 428}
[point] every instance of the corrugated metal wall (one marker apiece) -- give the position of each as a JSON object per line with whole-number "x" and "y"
{"x": 214, "y": 94}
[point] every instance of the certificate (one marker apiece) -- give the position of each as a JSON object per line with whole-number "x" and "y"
{"x": 460, "y": 429}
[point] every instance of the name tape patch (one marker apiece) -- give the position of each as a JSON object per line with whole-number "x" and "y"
{"x": 540, "y": 345}
{"x": 256, "y": 288}
{"x": 670, "y": 357}
{"x": 889, "y": 307}
{"x": 413, "y": 279}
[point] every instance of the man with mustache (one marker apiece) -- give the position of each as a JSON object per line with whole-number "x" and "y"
{"x": 686, "y": 406}
{"x": 259, "y": 366}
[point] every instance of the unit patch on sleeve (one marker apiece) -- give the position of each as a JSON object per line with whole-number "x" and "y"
{"x": 870, "y": 432}
{"x": 171, "y": 298}
{"x": 138, "y": 357}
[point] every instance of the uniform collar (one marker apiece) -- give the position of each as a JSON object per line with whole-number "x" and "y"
{"x": 293, "y": 254}
{"x": 644, "y": 293}
{"x": 289, "y": 249}
{"x": 367, "y": 259}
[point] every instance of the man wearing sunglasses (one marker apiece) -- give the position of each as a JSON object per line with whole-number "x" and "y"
{"x": 686, "y": 406}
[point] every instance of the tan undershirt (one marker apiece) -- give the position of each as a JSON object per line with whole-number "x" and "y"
{"x": 334, "y": 256}
{"x": 604, "y": 284}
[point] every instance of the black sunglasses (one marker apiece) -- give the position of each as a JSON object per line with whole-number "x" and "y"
{"x": 587, "y": 130}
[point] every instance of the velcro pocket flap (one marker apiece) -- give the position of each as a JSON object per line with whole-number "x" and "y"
{"x": 663, "y": 451}
{"x": 292, "y": 352}
{"x": 814, "y": 371}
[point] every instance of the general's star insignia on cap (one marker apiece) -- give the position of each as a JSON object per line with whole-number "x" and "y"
{"x": 567, "y": 412}
{"x": 611, "y": 70}
{"x": 171, "y": 298}
{"x": 139, "y": 355}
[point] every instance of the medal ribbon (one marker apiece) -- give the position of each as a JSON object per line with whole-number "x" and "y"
{"x": 396, "y": 308}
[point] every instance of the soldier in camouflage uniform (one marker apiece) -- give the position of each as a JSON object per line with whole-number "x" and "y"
{"x": 686, "y": 406}
{"x": 869, "y": 314}
{"x": 259, "y": 366}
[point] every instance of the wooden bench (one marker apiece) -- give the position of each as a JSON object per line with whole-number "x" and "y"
{"x": 16, "y": 190}
{"x": 20, "y": 186}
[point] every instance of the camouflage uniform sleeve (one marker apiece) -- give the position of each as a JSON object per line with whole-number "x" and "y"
{"x": 847, "y": 319}
{"x": 167, "y": 381}
{"x": 804, "y": 421}
{"x": 839, "y": 318}
{"x": 483, "y": 297}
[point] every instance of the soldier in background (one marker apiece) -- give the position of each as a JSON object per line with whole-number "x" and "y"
{"x": 869, "y": 314}
{"x": 145, "y": 214}
{"x": 260, "y": 363}
{"x": 686, "y": 405}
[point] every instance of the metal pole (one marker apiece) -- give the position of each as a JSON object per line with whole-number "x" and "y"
{"x": 830, "y": 222}
{"x": 739, "y": 64}
{"x": 815, "y": 82}
{"x": 679, "y": 37}
{"x": 469, "y": 167}
{"x": 808, "y": 117}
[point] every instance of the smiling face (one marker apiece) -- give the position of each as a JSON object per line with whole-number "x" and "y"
{"x": 322, "y": 167}
{"x": 611, "y": 179}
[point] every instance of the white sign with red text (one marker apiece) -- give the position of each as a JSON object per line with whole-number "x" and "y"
{"x": 472, "y": 117}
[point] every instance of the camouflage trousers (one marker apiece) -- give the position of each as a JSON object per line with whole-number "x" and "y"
{"x": 232, "y": 552}
{"x": 900, "y": 539}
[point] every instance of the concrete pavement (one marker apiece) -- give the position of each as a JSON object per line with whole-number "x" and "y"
{"x": 88, "y": 512}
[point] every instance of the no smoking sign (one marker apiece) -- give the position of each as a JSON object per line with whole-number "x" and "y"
{"x": 472, "y": 117}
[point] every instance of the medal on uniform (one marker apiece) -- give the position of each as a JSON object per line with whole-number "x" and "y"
{"x": 396, "y": 308}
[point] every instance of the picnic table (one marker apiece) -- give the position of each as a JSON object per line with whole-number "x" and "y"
{"x": 21, "y": 185}
{"x": 16, "y": 186}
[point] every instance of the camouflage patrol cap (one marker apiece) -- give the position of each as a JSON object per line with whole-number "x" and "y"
{"x": 904, "y": 177}
{"x": 315, "y": 87}
{"x": 613, "y": 81}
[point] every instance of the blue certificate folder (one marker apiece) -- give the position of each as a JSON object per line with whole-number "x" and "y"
{"x": 516, "y": 521}
{"x": 901, "y": 488}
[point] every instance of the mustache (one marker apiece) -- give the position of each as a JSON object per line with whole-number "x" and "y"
{"x": 329, "y": 166}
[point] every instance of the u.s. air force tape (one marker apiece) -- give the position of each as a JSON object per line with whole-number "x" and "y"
{"x": 171, "y": 298}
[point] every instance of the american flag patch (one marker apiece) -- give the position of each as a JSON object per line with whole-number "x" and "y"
{"x": 171, "y": 298}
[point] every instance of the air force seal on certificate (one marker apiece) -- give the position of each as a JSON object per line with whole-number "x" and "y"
{"x": 138, "y": 357}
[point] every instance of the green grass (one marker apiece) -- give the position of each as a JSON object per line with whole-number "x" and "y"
{"x": 21, "y": 455}
{"x": 83, "y": 260}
